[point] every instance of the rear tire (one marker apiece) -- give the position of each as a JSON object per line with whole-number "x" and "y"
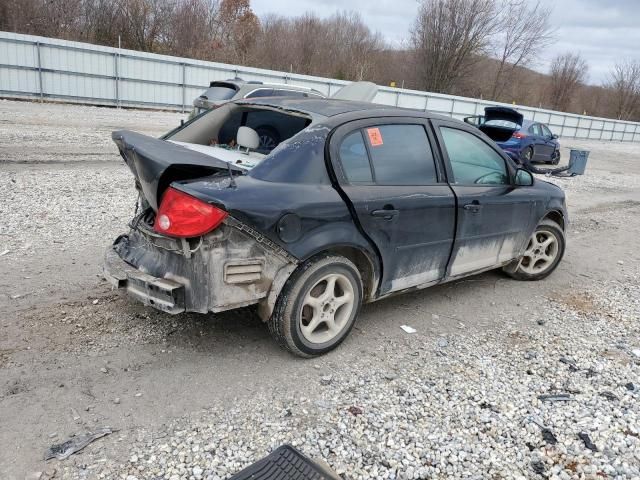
{"x": 544, "y": 251}
{"x": 318, "y": 306}
{"x": 527, "y": 155}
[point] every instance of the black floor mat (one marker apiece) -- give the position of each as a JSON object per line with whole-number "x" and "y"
{"x": 284, "y": 463}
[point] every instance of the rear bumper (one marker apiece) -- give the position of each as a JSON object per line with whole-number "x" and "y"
{"x": 231, "y": 267}
{"x": 160, "y": 293}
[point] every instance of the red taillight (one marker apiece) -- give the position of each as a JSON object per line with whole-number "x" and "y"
{"x": 519, "y": 135}
{"x": 181, "y": 215}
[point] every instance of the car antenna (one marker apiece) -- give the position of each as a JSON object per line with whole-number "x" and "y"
{"x": 232, "y": 183}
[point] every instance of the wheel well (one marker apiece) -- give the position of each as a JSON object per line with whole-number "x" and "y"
{"x": 364, "y": 264}
{"x": 557, "y": 217}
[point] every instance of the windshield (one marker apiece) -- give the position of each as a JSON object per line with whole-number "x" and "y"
{"x": 219, "y": 92}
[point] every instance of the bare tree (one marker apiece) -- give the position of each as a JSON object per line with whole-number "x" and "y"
{"x": 448, "y": 37}
{"x": 146, "y": 23}
{"x": 568, "y": 72}
{"x": 525, "y": 30}
{"x": 625, "y": 86}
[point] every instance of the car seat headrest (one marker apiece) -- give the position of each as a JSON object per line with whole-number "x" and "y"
{"x": 248, "y": 138}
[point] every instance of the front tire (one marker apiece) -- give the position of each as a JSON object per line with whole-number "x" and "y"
{"x": 543, "y": 253}
{"x": 318, "y": 306}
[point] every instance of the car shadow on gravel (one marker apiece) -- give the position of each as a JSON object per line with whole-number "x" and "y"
{"x": 108, "y": 319}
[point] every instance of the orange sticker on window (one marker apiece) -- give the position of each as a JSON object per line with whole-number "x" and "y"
{"x": 375, "y": 137}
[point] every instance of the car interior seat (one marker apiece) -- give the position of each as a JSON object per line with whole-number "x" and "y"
{"x": 247, "y": 138}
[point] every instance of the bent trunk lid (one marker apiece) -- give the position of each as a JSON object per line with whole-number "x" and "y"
{"x": 156, "y": 163}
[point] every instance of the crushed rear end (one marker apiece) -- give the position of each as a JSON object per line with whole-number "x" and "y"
{"x": 228, "y": 267}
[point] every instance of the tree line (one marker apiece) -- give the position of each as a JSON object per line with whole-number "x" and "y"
{"x": 477, "y": 48}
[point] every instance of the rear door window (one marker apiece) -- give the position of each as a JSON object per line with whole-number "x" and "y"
{"x": 535, "y": 129}
{"x": 354, "y": 158}
{"x": 472, "y": 160}
{"x": 401, "y": 155}
{"x": 389, "y": 155}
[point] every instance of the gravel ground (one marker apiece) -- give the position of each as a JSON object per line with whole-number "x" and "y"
{"x": 200, "y": 397}
{"x": 456, "y": 406}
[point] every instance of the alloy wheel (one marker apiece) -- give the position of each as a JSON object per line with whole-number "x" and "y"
{"x": 540, "y": 254}
{"x": 326, "y": 308}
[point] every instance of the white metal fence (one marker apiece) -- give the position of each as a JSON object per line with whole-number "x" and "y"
{"x": 52, "y": 69}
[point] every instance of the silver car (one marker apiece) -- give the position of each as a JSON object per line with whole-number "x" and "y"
{"x": 220, "y": 92}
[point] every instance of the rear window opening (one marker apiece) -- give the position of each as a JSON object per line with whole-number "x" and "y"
{"x": 240, "y": 134}
{"x": 219, "y": 91}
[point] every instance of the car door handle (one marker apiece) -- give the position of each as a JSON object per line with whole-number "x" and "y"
{"x": 473, "y": 207}
{"x": 384, "y": 213}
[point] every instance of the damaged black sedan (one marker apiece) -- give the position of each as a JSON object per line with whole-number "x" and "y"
{"x": 358, "y": 202}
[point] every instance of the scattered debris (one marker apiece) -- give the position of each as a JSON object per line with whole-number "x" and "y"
{"x": 442, "y": 342}
{"x": 636, "y": 352}
{"x": 2, "y": 254}
{"x": 630, "y": 386}
{"x": 326, "y": 380}
{"x": 530, "y": 355}
{"x": 609, "y": 395}
{"x": 408, "y": 329}
{"x": 95, "y": 302}
{"x": 355, "y": 411}
{"x": 620, "y": 262}
{"x": 548, "y": 436}
{"x": 390, "y": 376}
{"x": 541, "y": 321}
{"x": 103, "y": 370}
{"x": 116, "y": 400}
{"x": 62, "y": 451}
{"x": 487, "y": 406}
{"x": 587, "y": 441}
{"x": 557, "y": 397}
{"x": 538, "y": 466}
{"x": 569, "y": 361}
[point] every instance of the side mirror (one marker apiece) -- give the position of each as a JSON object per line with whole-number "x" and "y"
{"x": 523, "y": 178}
{"x": 554, "y": 136}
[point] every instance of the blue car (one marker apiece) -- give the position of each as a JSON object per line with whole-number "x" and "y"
{"x": 523, "y": 140}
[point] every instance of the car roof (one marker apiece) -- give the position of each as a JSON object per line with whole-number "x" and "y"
{"x": 329, "y": 107}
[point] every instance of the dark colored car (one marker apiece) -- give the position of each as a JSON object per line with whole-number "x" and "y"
{"x": 523, "y": 140}
{"x": 363, "y": 202}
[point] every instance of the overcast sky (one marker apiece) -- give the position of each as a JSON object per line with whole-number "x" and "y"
{"x": 602, "y": 31}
